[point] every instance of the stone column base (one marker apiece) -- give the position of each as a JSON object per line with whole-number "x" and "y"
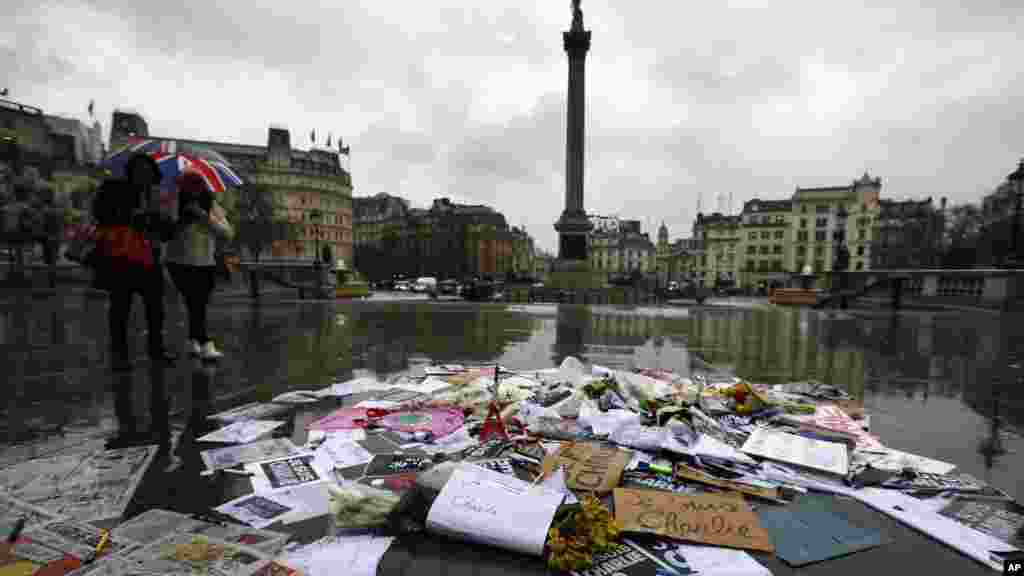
{"x": 574, "y": 275}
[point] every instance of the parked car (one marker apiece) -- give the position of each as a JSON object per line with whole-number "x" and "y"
{"x": 448, "y": 287}
{"x": 425, "y": 284}
{"x": 402, "y": 286}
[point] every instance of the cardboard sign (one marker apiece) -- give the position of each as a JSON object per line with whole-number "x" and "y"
{"x": 588, "y": 466}
{"x": 684, "y": 472}
{"x": 705, "y": 518}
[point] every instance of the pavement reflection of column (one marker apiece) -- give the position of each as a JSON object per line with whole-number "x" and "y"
{"x": 572, "y": 332}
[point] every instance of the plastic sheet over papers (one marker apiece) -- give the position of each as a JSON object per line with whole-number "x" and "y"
{"x": 910, "y": 511}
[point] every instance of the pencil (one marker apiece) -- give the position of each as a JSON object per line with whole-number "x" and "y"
{"x": 103, "y": 542}
{"x": 16, "y": 531}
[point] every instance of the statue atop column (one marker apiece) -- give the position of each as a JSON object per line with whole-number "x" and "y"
{"x": 577, "y": 15}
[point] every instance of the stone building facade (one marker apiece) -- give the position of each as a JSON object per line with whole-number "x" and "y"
{"x": 907, "y": 234}
{"x": 310, "y": 188}
{"x": 619, "y": 248}
{"x": 447, "y": 240}
{"x": 718, "y": 261}
{"x": 773, "y": 239}
{"x": 821, "y": 215}
{"x": 765, "y": 245}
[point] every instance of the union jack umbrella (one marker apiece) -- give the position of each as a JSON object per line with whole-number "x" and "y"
{"x": 175, "y": 158}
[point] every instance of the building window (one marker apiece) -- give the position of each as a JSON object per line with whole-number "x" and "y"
{"x": 777, "y": 249}
{"x": 819, "y": 265}
{"x": 780, "y": 234}
{"x": 803, "y": 222}
{"x": 776, "y": 265}
{"x": 862, "y": 234}
{"x": 804, "y": 209}
{"x": 860, "y": 265}
{"x": 821, "y": 222}
{"x": 819, "y": 251}
{"x": 801, "y": 251}
{"x": 801, "y": 236}
{"x": 821, "y": 209}
{"x": 820, "y": 236}
{"x": 860, "y": 250}
{"x": 753, "y": 235}
{"x": 751, "y": 249}
{"x": 764, "y": 249}
{"x": 750, "y": 265}
{"x": 766, "y": 235}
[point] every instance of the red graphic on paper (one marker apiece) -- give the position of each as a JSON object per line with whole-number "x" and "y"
{"x": 493, "y": 426}
{"x": 833, "y": 418}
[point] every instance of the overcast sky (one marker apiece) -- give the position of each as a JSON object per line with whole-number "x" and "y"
{"x": 466, "y": 99}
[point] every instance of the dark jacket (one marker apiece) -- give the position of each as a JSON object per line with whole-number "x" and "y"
{"x": 118, "y": 203}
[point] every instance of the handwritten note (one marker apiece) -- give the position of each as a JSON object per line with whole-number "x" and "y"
{"x": 484, "y": 506}
{"x": 588, "y": 466}
{"x": 691, "y": 474}
{"x": 706, "y": 518}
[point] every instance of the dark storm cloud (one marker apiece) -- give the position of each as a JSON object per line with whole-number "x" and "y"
{"x": 467, "y": 99}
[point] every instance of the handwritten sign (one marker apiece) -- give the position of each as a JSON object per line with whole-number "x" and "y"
{"x": 588, "y": 466}
{"x": 488, "y": 507}
{"x": 705, "y": 518}
{"x": 684, "y": 472}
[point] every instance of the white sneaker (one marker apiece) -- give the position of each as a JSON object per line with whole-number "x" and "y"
{"x": 193, "y": 348}
{"x": 210, "y": 352}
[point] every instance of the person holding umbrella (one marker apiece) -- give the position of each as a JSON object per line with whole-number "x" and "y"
{"x": 132, "y": 233}
{"x": 191, "y": 256}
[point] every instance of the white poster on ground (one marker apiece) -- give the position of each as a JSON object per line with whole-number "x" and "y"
{"x": 488, "y": 507}
{"x": 792, "y": 449}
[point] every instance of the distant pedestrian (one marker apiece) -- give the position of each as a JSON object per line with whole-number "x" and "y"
{"x": 128, "y": 235}
{"x": 191, "y": 257}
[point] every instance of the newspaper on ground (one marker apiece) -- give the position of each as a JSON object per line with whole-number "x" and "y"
{"x": 256, "y": 510}
{"x": 77, "y": 539}
{"x": 287, "y": 472}
{"x": 88, "y": 487}
{"x": 181, "y": 553}
{"x": 153, "y": 525}
{"x": 251, "y": 411}
{"x": 297, "y": 397}
{"x": 231, "y": 456}
{"x": 242, "y": 432}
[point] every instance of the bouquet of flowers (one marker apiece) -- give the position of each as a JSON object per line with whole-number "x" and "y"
{"x": 579, "y": 534}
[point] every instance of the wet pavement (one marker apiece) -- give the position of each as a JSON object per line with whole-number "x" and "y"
{"x": 936, "y": 384}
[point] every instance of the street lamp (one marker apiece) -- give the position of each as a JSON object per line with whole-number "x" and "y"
{"x": 315, "y": 217}
{"x": 1016, "y": 179}
{"x": 842, "y": 255}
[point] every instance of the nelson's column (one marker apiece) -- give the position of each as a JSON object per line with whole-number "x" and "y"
{"x": 572, "y": 269}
